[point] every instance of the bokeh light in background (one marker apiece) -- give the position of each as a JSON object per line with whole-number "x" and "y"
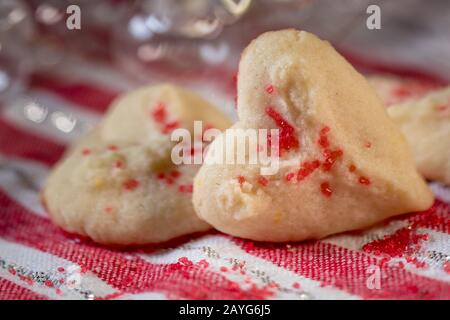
{"x": 16, "y": 28}
{"x": 203, "y": 39}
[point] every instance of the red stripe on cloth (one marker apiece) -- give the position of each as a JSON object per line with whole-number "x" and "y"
{"x": 361, "y": 62}
{"x": 347, "y": 270}
{"x": 21, "y": 143}
{"x": 93, "y": 97}
{"x": 11, "y": 291}
{"x": 126, "y": 273}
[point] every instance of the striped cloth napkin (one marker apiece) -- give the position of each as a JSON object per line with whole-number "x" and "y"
{"x": 404, "y": 258}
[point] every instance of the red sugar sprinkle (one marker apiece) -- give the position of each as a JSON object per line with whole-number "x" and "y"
{"x": 186, "y": 188}
{"x": 48, "y": 283}
{"x": 113, "y": 147}
{"x": 289, "y": 176}
{"x": 307, "y": 168}
{"x": 296, "y": 285}
{"x": 170, "y": 126}
{"x": 364, "y": 180}
{"x": 232, "y": 286}
{"x": 160, "y": 176}
{"x": 58, "y": 291}
{"x": 287, "y": 139}
{"x": 194, "y": 151}
{"x": 323, "y": 141}
{"x": 263, "y": 181}
{"x": 241, "y": 180}
{"x": 323, "y": 137}
{"x": 315, "y": 164}
{"x": 27, "y": 279}
{"x": 159, "y": 113}
{"x": 203, "y": 264}
{"x": 351, "y": 168}
{"x": 185, "y": 261}
{"x": 130, "y": 184}
{"x": 108, "y": 209}
{"x": 324, "y": 130}
{"x": 425, "y": 237}
{"x": 86, "y": 151}
{"x": 223, "y": 269}
{"x": 269, "y": 89}
{"x": 384, "y": 261}
{"x": 446, "y": 266}
{"x": 12, "y": 271}
{"x": 403, "y": 242}
{"x": 175, "y": 174}
{"x": 60, "y": 269}
{"x": 330, "y": 158}
{"x": 416, "y": 262}
{"x": 118, "y": 164}
{"x": 325, "y": 189}
{"x": 442, "y": 108}
{"x": 368, "y": 145}
{"x": 330, "y": 155}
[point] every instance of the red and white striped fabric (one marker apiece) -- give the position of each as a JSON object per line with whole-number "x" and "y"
{"x": 405, "y": 258}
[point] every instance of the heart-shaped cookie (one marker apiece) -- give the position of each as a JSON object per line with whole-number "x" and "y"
{"x": 394, "y": 90}
{"x": 426, "y": 125}
{"x": 118, "y": 185}
{"x": 343, "y": 163}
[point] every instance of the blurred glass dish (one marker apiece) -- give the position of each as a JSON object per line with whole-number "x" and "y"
{"x": 16, "y": 28}
{"x": 177, "y": 37}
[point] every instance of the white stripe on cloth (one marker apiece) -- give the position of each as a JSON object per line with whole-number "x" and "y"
{"x": 47, "y": 115}
{"x": 30, "y": 260}
{"x": 441, "y": 191}
{"x": 435, "y": 253}
{"x": 142, "y": 296}
{"x": 259, "y": 270}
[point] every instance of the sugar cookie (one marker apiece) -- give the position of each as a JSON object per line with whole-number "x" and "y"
{"x": 118, "y": 184}
{"x": 426, "y": 125}
{"x": 344, "y": 163}
{"x": 392, "y": 89}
